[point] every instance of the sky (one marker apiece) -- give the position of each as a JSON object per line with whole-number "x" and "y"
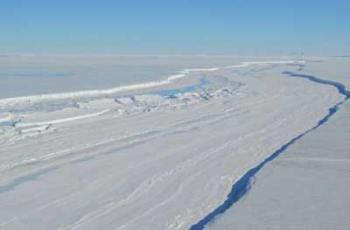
{"x": 220, "y": 27}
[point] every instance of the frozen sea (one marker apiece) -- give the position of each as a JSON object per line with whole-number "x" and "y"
{"x": 23, "y": 75}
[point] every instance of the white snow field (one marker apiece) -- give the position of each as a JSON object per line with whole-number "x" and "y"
{"x": 157, "y": 157}
{"x": 306, "y": 187}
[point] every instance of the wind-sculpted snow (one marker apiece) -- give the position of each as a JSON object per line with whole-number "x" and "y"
{"x": 159, "y": 159}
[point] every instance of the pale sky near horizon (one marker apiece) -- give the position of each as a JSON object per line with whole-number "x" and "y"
{"x": 228, "y": 27}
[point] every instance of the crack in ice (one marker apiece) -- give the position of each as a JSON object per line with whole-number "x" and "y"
{"x": 244, "y": 184}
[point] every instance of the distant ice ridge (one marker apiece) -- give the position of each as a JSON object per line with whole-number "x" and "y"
{"x": 33, "y": 123}
{"x": 12, "y": 102}
{"x": 15, "y": 111}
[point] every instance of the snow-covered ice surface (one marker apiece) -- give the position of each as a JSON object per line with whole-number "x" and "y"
{"x": 159, "y": 156}
{"x": 307, "y": 186}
